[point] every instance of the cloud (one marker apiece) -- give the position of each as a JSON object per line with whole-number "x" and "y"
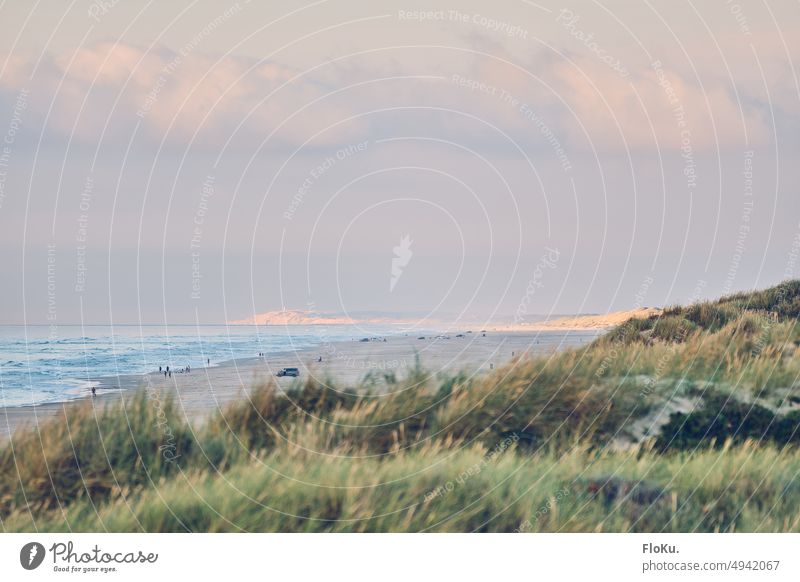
{"x": 107, "y": 89}
{"x": 656, "y": 105}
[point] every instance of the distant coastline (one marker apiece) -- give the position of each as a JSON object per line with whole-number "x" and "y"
{"x": 597, "y": 322}
{"x": 576, "y": 322}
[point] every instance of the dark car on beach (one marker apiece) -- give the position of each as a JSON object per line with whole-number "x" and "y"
{"x": 294, "y": 372}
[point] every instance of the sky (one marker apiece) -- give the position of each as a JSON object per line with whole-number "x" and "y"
{"x": 199, "y": 162}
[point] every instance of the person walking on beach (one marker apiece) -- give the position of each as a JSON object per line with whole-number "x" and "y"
{"x": 159, "y": 369}
{"x": 208, "y": 361}
{"x": 94, "y": 392}
{"x": 165, "y": 373}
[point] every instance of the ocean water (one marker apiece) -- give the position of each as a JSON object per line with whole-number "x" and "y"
{"x": 42, "y": 364}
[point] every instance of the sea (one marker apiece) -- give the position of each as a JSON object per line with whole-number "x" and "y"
{"x": 42, "y": 364}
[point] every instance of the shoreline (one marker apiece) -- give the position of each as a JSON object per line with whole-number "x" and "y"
{"x": 351, "y": 364}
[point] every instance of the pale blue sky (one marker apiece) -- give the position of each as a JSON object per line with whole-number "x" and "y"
{"x": 618, "y": 134}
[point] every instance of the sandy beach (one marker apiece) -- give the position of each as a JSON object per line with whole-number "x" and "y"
{"x": 351, "y": 364}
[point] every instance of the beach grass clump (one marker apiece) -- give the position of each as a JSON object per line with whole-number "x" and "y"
{"x": 93, "y": 453}
{"x": 673, "y": 329}
{"x": 395, "y": 421}
{"x": 542, "y": 403}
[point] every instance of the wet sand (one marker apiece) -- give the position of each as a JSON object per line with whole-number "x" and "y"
{"x": 350, "y": 364}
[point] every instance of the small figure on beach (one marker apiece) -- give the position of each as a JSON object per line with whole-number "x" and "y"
{"x": 168, "y": 370}
{"x": 208, "y": 361}
{"x": 188, "y": 368}
{"x": 170, "y": 374}
{"x": 165, "y": 373}
{"x": 94, "y": 391}
{"x": 159, "y": 369}
{"x": 319, "y": 359}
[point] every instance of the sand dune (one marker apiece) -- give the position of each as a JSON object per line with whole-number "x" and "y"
{"x": 293, "y": 317}
{"x": 584, "y": 322}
